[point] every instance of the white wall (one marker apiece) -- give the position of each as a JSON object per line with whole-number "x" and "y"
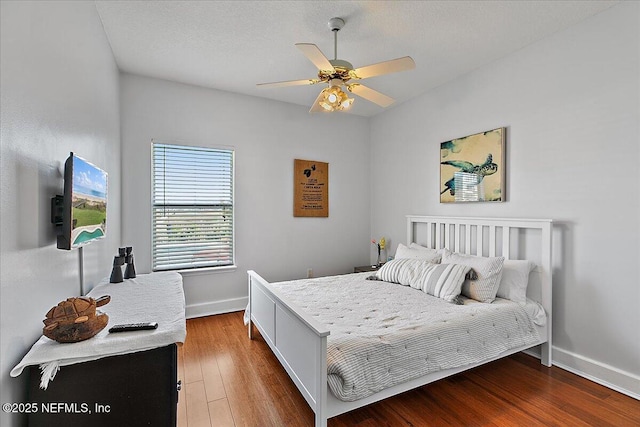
{"x": 570, "y": 105}
{"x": 267, "y": 137}
{"x": 59, "y": 94}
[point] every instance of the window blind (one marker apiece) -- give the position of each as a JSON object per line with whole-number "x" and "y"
{"x": 192, "y": 207}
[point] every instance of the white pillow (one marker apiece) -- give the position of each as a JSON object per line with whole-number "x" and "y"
{"x": 440, "y": 280}
{"x": 487, "y": 269}
{"x": 514, "y": 281}
{"x": 414, "y": 245}
{"x": 403, "y": 252}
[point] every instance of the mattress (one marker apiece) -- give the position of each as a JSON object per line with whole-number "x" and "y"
{"x": 383, "y": 334}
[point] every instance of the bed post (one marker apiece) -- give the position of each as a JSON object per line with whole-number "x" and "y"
{"x": 321, "y": 384}
{"x": 249, "y": 328}
{"x": 410, "y": 230}
{"x": 547, "y": 292}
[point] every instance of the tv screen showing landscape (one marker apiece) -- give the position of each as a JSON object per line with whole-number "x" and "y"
{"x": 88, "y": 203}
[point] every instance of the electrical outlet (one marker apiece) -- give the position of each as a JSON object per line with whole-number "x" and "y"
{"x": 309, "y": 273}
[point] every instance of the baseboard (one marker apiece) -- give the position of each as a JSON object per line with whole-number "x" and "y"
{"x": 598, "y": 372}
{"x": 216, "y": 307}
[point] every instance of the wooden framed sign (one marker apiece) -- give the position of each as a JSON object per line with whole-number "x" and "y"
{"x": 310, "y": 188}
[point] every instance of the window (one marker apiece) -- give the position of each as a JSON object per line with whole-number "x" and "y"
{"x": 192, "y": 207}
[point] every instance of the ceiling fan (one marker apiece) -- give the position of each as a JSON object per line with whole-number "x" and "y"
{"x": 337, "y": 73}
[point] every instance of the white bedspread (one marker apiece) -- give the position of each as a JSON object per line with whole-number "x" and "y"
{"x": 156, "y": 297}
{"x": 383, "y": 334}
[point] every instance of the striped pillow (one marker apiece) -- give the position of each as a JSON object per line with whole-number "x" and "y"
{"x": 488, "y": 270}
{"x": 440, "y": 280}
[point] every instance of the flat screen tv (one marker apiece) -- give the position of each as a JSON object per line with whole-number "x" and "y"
{"x": 83, "y": 211}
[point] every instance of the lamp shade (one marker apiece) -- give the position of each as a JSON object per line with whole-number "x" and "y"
{"x": 334, "y": 99}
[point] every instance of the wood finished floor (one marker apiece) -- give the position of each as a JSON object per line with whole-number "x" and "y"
{"x": 229, "y": 380}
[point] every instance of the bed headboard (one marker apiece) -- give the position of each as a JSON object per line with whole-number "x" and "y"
{"x": 511, "y": 238}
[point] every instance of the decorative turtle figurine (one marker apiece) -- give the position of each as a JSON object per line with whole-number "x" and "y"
{"x": 75, "y": 319}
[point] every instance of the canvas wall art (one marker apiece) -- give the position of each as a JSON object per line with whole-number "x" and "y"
{"x": 472, "y": 168}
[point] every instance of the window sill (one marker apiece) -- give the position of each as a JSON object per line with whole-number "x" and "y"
{"x": 207, "y": 270}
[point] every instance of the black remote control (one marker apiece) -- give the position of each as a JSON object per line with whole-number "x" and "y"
{"x": 133, "y": 327}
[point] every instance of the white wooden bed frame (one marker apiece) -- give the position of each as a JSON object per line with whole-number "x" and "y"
{"x": 300, "y": 342}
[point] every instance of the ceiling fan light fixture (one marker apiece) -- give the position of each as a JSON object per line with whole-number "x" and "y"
{"x": 334, "y": 99}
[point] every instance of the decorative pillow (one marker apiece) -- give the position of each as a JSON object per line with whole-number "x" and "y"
{"x": 414, "y": 245}
{"x": 403, "y": 252}
{"x": 514, "y": 281}
{"x": 487, "y": 269}
{"x": 470, "y": 275}
{"x": 439, "y": 280}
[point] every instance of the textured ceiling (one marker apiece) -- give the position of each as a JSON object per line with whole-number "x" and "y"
{"x": 232, "y": 45}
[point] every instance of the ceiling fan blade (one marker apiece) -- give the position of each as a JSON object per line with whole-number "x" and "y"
{"x": 315, "y": 55}
{"x": 316, "y": 108}
{"x": 290, "y": 83}
{"x": 386, "y": 67}
{"x": 371, "y": 95}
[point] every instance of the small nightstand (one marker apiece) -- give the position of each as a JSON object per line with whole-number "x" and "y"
{"x": 365, "y": 268}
